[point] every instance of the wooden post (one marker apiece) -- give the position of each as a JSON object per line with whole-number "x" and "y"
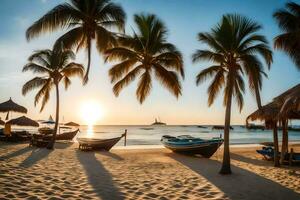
{"x": 291, "y": 156}
{"x": 125, "y": 137}
{"x": 275, "y": 138}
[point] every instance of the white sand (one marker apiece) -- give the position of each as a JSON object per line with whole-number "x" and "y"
{"x": 67, "y": 173}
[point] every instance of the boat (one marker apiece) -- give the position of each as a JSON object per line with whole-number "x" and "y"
{"x": 158, "y": 123}
{"x": 255, "y": 127}
{"x": 66, "y": 135}
{"x": 218, "y": 127}
{"x": 106, "y": 144}
{"x": 45, "y": 131}
{"x": 201, "y": 126}
{"x": 187, "y": 144}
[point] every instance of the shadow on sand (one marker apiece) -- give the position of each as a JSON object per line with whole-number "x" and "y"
{"x": 99, "y": 178}
{"x": 36, "y": 155}
{"x": 242, "y": 184}
{"x": 16, "y": 153}
{"x": 250, "y": 160}
{"x": 111, "y": 155}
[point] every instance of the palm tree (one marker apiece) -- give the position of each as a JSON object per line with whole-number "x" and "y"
{"x": 85, "y": 21}
{"x": 234, "y": 46}
{"x": 288, "y": 20}
{"x": 145, "y": 53}
{"x": 53, "y": 67}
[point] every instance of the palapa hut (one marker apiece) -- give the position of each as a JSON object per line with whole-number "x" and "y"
{"x": 1, "y": 122}
{"x": 268, "y": 113}
{"x": 23, "y": 121}
{"x": 289, "y": 102}
{"x": 10, "y": 106}
{"x": 71, "y": 124}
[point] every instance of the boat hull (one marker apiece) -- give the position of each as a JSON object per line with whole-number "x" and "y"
{"x": 190, "y": 145}
{"x": 97, "y": 144}
{"x": 66, "y": 135}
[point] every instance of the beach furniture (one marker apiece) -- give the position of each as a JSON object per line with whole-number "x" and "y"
{"x": 190, "y": 145}
{"x": 294, "y": 157}
{"x": 267, "y": 152}
{"x": 98, "y": 144}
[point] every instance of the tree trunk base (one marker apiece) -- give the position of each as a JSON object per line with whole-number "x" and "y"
{"x": 225, "y": 171}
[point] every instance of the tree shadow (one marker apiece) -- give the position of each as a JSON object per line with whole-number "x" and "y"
{"x": 251, "y": 160}
{"x": 99, "y": 178}
{"x": 110, "y": 154}
{"x": 242, "y": 184}
{"x": 63, "y": 144}
{"x": 36, "y": 155}
{"x": 16, "y": 153}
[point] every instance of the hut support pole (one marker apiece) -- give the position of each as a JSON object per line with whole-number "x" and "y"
{"x": 284, "y": 146}
{"x": 275, "y": 138}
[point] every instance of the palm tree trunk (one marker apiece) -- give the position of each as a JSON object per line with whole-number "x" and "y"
{"x": 89, "y": 46}
{"x": 51, "y": 145}
{"x": 284, "y": 145}
{"x": 257, "y": 96}
{"x": 275, "y": 138}
{"x": 226, "y": 169}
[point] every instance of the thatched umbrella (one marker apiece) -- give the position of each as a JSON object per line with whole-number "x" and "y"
{"x": 270, "y": 113}
{"x": 10, "y": 106}
{"x": 23, "y": 121}
{"x": 290, "y": 102}
{"x": 71, "y": 124}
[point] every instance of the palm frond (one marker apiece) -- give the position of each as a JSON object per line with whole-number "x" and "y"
{"x": 35, "y": 68}
{"x": 169, "y": 80}
{"x": 127, "y": 79}
{"x": 144, "y": 87}
{"x": 59, "y": 17}
{"x": 118, "y": 70}
{"x": 32, "y": 84}
{"x": 207, "y": 73}
{"x": 215, "y": 87}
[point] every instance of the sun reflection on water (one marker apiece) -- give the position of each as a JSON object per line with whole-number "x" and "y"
{"x": 90, "y": 131}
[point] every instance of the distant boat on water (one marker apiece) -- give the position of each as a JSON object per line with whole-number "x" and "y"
{"x": 158, "y": 123}
{"x": 217, "y": 127}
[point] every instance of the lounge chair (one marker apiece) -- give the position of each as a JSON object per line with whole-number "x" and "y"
{"x": 267, "y": 152}
{"x": 294, "y": 157}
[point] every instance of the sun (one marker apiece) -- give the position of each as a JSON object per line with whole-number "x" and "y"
{"x": 91, "y": 111}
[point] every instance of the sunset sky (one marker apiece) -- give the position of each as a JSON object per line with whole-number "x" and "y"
{"x": 184, "y": 20}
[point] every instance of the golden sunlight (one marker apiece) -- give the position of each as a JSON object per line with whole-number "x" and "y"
{"x": 91, "y": 111}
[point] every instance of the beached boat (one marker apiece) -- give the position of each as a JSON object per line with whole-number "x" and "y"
{"x": 190, "y": 145}
{"x": 67, "y": 135}
{"x": 106, "y": 144}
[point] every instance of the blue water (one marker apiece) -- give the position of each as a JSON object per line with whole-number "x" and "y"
{"x": 151, "y": 135}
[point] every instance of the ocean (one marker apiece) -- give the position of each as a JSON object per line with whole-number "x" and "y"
{"x": 151, "y": 135}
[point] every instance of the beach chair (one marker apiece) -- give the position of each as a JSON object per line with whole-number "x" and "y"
{"x": 294, "y": 157}
{"x": 40, "y": 141}
{"x": 267, "y": 152}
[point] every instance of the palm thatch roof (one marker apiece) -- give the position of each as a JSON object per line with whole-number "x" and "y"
{"x": 270, "y": 112}
{"x": 23, "y": 121}
{"x": 10, "y": 106}
{"x": 71, "y": 124}
{"x": 290, "y": 100}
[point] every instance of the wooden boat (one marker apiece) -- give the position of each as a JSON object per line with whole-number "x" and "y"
{"x": 106, "y": 144}
{"x": 45, "y": 131}
{"x": 217, "y": 127}
{"x": 66, "y": 135}
{"x": 191, "y": 145}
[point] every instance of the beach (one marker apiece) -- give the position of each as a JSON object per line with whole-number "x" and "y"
{"x": 67, "y": 173}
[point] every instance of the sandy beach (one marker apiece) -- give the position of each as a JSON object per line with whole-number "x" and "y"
{"x": 67, "y": 173}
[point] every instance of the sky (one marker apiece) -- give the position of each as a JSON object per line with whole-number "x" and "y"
{"x": 184, "y": 19}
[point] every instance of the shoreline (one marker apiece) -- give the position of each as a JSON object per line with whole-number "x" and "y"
{"x": 68, "y": 173}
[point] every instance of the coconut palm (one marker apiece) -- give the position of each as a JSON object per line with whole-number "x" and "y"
{"x": 53, "y": 67}
{"x": 288, "y": 20}
{"x": 85, "y": 21}
{"x": 146, "y": 53}
{"x": 234, "y": 46}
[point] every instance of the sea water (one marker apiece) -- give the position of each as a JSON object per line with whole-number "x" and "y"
{"x": 151, "y": 135}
